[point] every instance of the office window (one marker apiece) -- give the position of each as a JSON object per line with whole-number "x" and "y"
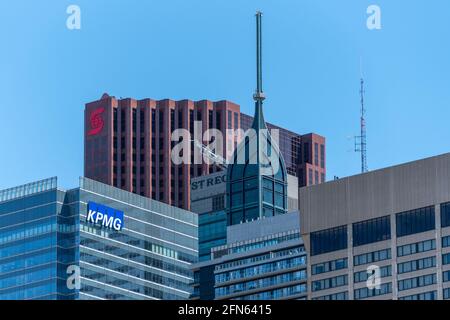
{"x": 336, "y": 296}
{"x": 446, "y": 293}
{"x": 415, "y": 265}
{"x": 362, "y": 276}
{"x": 230, "y": 119}
{"x": 329, "y": 266}
{"x": 316, "y": 176}
{"x": 446, "y": 258}
{"x": 371, "y": 257}
{"x": 218, "y": 203}
{"x": 445, "y": 276}
{"x": 310, "y": 177}
{"x": 417, "y": 282}
{"x": 322, "y": 156}
{"x": 371, "y": 231}
{"x": 316, "y": 154}
{"x": 415, "y": 221}
{"x": 445, "y": 214}
{"x": 446, "y": 242}
{"x": 328, "y": 240}
{"x": 364, "y": 293}
{"x": 417, "y": 247}
{"x": 432, "y": 295}
{"x": 322, "y": 177}
{"x": 329, "y": 283}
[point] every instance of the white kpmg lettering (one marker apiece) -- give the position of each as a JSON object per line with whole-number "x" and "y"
{"x": 108, "y": 221}
{"x": 90, "y": 217}
{"x": 99, "y": 217}
{"x": 117, "y": 224}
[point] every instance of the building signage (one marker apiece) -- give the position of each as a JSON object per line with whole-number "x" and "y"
{"x": 209, "y": 182}
{"x": 104, "y": 216}
{"x": 96, "y": 122}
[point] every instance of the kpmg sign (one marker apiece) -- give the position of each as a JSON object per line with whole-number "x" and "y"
{"x": 104, "y": 216}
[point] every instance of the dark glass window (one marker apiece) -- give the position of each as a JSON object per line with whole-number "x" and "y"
{"x": 415, "y": 221}
{"x": 371, "y": 231}
{"x": 328, "y": 240}
{"x": 153, "y": 120}
{"x": 445, "y": 214}
{"x": 316, "y": 154}
{"x": 322, "y": 156}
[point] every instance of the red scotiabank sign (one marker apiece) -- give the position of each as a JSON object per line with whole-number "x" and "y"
{"x": 96, "y": 122}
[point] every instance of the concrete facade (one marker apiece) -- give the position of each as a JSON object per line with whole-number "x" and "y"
{"x": 381, "y": 193}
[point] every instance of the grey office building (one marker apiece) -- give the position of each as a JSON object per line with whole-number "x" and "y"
{"x": 391, "y": 225}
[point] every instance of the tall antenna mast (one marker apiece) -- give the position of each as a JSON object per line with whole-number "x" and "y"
{"x": 361, "y": 141}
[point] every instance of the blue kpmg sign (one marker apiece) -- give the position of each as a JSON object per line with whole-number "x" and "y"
{"x": 104, "y": 216}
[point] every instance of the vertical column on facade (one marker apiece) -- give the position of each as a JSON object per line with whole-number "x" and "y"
{"x": 394, "y": 256}
{"x": 350, "y": 261}
{"x": 112, "y": 105}
{"x": 439, "y": 280}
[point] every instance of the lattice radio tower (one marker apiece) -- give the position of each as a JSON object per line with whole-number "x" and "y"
{"x": 361, "y": 140}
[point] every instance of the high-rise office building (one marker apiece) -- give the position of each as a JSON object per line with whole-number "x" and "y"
{"x": 380, "y": 235}
{"x": 262, "y": 260}
{"x": 127, "y": 144}
{"x": 93, "y": 242}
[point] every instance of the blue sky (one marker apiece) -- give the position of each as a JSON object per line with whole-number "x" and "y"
{"x": 205, "y": 49}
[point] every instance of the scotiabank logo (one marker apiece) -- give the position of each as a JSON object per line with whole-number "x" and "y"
{"x": 96, "y": 122}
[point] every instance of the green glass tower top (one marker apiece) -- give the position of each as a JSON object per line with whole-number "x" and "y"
{"x": 256, "y": 177}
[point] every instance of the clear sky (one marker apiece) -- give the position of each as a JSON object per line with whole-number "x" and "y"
{"x": 204, "y": 49}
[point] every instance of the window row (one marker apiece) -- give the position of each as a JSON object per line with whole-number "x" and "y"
{"x": 328, "y": 240}
{"x": 417, "y": 282}
{"x": 260, "y": 283}
{"x": 372, "y": 257}
{"x": 329, "y": 266}
{"x": 432, "y": 295}
{"x": 336, "y": 296}
{"x": 415, "y": 265}
{"x": 364, "y": 293}
{"x": 329, "y": 283}
{"x": 417, "y": 247}
{"x": 371, "y": 231}
{"x": 362, "y": 276}
{"x": 415, "y": 221}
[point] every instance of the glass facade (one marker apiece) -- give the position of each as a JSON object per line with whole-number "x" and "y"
{"x": 415, "y": 221}
{"x": 262, "y": 273}
{"x": 328, "y": 240}
{"x": 45, "y": 235}
{"x": 212, "y": 232}
{"x": 371, "y": 231}
{"x": 38, "y": 242}
{"x": 256, "y": 177}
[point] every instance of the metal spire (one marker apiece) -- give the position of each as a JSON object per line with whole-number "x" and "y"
{"x": 258, "y": 96}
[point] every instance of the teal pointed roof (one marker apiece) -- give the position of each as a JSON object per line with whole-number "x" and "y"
{"x": 256, "y": 184}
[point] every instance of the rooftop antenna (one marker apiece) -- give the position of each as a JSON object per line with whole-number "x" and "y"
{"x": 361, "y": 140}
